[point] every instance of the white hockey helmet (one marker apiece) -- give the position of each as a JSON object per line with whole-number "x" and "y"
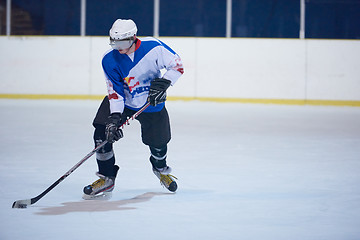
{"x": 122, "y": 34}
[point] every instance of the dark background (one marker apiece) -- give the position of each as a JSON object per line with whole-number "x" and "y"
{"x": 338, "y": 19}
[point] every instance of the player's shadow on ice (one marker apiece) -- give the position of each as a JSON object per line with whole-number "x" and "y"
{"x": 98, "y": 205}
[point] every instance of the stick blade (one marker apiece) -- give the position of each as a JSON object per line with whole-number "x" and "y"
{"x": 21, "y": 203}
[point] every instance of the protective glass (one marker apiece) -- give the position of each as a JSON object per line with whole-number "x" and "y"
{"x": 121, "y": 44}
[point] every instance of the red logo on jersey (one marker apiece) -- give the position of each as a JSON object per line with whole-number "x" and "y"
{"x": 179, "y": 66}
{"x": 128, "y": 81}
{"x": 113, "y": 96}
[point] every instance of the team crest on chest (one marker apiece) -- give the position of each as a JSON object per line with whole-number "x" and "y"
{"x": 131, "y": 82}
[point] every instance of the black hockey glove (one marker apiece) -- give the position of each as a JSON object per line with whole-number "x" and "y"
{"x": 157, "y": 92}
{"x": 112, "y": 131}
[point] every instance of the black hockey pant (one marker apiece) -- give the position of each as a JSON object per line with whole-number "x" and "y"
{"x": 155, "y": 133}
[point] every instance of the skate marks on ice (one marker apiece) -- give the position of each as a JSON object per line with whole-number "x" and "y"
{"x": 99, "y": 205}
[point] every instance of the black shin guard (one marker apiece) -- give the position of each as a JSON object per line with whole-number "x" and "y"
{"x": 158, "y": 157}
{"x": 107, "y": 168}
{"x": 104, "y": 156}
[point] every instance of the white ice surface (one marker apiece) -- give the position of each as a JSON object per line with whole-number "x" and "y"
{"x": 252, "y": 172}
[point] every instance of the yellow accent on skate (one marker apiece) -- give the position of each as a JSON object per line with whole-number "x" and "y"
{"x": 166, "y": 180}
{"x": 98, "y": 183}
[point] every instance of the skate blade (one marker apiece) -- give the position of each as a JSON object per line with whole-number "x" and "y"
{"x": 101, "y": 196}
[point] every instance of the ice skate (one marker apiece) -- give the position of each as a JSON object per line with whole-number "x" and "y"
{"x": 101, "y": 188}
{"x": 166, "y": 179}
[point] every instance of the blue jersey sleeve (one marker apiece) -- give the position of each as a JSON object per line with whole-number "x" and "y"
{"x": 112, "y": 73}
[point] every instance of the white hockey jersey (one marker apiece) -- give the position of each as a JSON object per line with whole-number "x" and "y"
{"x": 128, "y": 77}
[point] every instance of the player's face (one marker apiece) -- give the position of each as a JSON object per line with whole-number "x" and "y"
{"x": 124, "y": 51}
{"x": 129, "y": 50}
{"x": 122, "y": 45}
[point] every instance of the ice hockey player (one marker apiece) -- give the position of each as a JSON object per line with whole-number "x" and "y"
{"x": 132, "y": 73}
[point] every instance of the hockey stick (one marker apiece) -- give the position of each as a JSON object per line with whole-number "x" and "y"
{"x": 24, "y": 203}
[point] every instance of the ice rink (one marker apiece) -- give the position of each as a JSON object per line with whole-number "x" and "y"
{"x": 250, "y": 172}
